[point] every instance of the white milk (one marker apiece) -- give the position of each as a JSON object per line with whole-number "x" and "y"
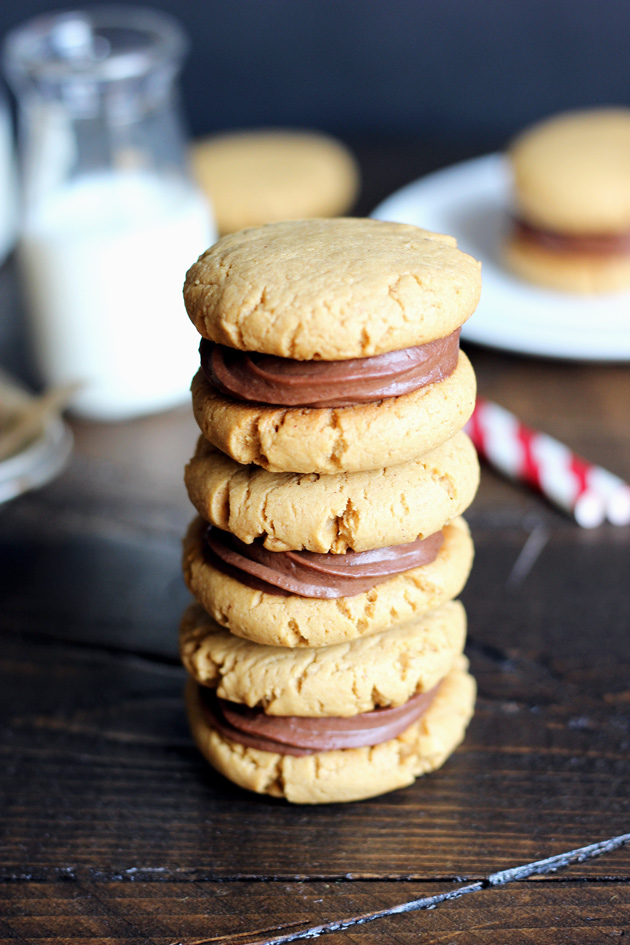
{"x": 103, "y": 262}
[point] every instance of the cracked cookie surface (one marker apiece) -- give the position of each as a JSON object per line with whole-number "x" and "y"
{"x": 381, "y": 670}
{"x": 306, "y": 621}
{"x": 334, "y": 513}
{"x": 346, "y": 774}
{"x": 331, "y": 440}
{"x": 331, "y": 289}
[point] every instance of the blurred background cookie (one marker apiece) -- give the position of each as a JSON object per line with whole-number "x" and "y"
{"x": 254, "y": 177}
{"x": 572, "y": 194}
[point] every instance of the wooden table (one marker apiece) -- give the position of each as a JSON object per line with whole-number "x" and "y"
{"x": 115, "y": 830}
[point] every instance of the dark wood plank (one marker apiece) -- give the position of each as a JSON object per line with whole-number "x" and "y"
{"x": 99, "y": 771}
{"x": 165, "y": 913}
{"x": 126, "y": 592}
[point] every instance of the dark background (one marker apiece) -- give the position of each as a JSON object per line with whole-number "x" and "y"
{"x": 465, "y": 71}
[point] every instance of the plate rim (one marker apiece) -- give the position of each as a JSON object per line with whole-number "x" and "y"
{"x": 591, "y": 349}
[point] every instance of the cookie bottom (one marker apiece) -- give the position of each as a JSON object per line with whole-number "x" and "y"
{"x": 349, "y": 774}
{"x": 580, "y": 273}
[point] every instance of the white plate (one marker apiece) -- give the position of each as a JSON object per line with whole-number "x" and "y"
{"x": 472, "y": 202}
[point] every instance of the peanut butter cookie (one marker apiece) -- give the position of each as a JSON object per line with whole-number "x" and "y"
{"x": 348, "y": 774}
{"x": 305, "y": 621}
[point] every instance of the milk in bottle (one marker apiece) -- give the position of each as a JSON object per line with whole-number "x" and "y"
{"x": 111, "y": 219}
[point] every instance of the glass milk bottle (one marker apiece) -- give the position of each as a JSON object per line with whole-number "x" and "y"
{"x": 111, "y": 220}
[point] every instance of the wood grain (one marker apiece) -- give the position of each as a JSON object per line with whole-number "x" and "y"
{"x": 165, "y": 913}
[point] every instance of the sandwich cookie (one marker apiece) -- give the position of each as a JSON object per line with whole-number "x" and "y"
{"x": 307, "y": 599}
{"x": 344, "y": 512}
{"x": 380, "y": 671}
{"x": 572, "y": 193}
{"x": 347, "y": 439}
{"x": 324, "y": 760}
{"x": 331, "y": 345}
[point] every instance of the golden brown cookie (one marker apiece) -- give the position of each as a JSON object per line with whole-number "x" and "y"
{"x": 255, "y": 177}
{"x": 572, "y": 171}
{"x": 331, "y": 289}
{"x": 345, "y": 774}
{"x": 572, "y": 195}
{"x": 582, "y": 273}
{"x": 305, "y": 621}
{"x": 347, "y": 511}
{"x": 341, "y": 439}
{"x": 385, "y": 669}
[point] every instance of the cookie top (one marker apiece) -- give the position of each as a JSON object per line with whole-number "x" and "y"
{"x": 331, "y": 289}
{"x": 335, "y": 513}
{"x": 255, "y": 177}
{"x": 572, "y": 172}
{"x": 382, "y": 670}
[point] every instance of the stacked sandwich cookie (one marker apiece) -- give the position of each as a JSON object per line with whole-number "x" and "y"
{"x": 325, "y": 647}
{"x": 571, "y": 229}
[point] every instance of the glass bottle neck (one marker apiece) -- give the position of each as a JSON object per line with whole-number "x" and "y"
{"x": 97, "y": 94}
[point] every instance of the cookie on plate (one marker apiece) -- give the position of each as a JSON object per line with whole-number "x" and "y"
{"x": 572, "y": 196}
{"x": 305, "y": 599}
{"x": 256, "y": 177}
{"x": 332, "y": 345}
{"x": 299, "y": 758}
{"x": 343, "y": 512}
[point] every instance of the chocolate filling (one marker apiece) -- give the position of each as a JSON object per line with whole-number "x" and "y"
{"x": 595, "y": 244}
{"x": 299, "y": 735}
{"x": 264, "y": 378}
{"x": 310, "y": 574}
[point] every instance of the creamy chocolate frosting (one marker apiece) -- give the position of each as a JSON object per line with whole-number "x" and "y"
{"x": 310, "y": 574}
{"x": 299, "y": 735}
{"x": 267, "y": 379}
{"x": 594, "y": 244}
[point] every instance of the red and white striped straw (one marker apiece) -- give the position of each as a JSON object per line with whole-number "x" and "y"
{"x": 589, "y": 493}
